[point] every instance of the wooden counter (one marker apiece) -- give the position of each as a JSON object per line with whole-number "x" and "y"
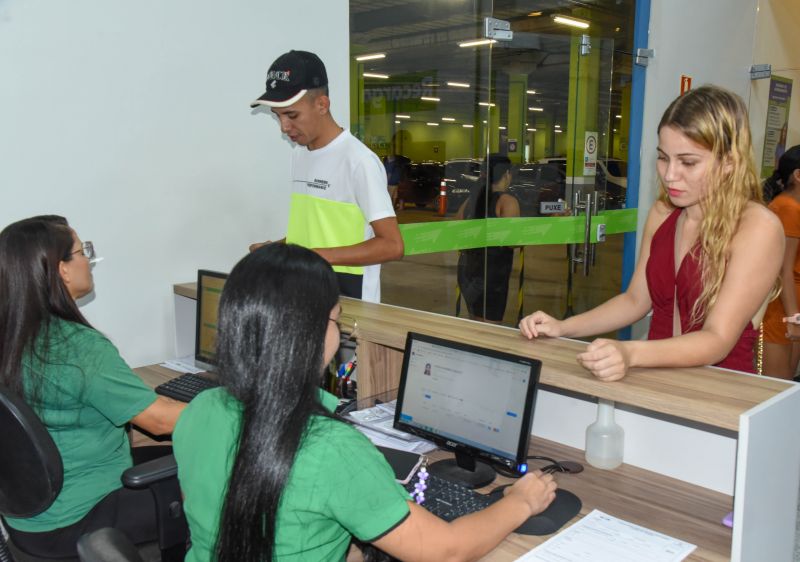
{"x": 752, "y": 411}
{"x": 664, "y": 504}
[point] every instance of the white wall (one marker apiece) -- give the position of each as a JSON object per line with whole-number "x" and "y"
{"x": 711, "y": 41}
{"x": 777, "y": 42}
{"x": 132, "y": 120}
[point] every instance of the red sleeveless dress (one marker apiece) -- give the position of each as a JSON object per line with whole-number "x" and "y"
{"x": 664, "y": 285}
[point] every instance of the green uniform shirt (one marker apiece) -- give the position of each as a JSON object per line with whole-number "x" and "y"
{"x": 340, "y": 484}
{"x": 87, "y": 396}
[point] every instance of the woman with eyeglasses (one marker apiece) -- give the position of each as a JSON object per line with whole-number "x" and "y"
{"x": 710, "y": 254}
{"x": 75, "y": 380}
{"x": 268, "y": 474}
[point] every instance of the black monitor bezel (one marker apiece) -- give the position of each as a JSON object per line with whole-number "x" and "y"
{"x": 212, "y": 361}
{"x": 458, "y": 447}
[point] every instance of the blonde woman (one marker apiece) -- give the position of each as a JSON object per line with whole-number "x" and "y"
{"x": 710, "y": 256}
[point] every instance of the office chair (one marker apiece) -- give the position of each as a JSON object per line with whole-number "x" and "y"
{"x": 32, "y": 481}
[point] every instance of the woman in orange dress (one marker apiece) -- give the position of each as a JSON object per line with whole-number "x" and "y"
{"x": 782, "y": 340}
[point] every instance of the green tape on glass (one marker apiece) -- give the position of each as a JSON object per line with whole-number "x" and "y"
{"x": 446, "y": 236}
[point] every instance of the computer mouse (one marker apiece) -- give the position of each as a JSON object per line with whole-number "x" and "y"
{"x": 565, "y": 506}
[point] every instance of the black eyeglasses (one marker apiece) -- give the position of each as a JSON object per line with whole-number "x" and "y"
{"x": 87, "y": 249}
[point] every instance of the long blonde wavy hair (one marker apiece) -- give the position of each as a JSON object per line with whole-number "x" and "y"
{"x": 716, "y": 119}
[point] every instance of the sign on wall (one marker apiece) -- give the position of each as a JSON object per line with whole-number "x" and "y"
{"x": 686, "y": 83}
{"x": 780, "y": 94}
{"x": 590, "y": 153}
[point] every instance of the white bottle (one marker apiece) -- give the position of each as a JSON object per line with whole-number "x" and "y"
{"x": 605, "y": 439}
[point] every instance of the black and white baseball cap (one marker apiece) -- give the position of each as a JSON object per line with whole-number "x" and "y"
{"x": 290, "y": 77}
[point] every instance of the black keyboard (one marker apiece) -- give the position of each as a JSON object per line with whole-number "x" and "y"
{"x": 186, "y": 387}
{"x": 450, "y": 500}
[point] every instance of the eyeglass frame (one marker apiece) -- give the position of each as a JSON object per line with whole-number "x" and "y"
{"x": 340, "y": 326}
{"x": 87, "y": 249}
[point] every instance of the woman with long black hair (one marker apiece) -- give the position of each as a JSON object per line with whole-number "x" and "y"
{"x": 782, "y": 340}
{"x": 268, "y": 474}
{"x": 76, "y": 381}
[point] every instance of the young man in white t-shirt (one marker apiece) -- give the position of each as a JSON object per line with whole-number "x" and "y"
{"x": 340, "y": 205}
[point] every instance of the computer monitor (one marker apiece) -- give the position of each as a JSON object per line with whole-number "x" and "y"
{"x": 477, "y": 402}
{"x": 209, "y": 291}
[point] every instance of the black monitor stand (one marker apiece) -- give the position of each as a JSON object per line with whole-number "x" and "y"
{"x": 464, "y": 469}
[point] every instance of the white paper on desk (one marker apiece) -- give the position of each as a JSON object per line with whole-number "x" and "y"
{"x": 599, "y": 537}
{"x": 420, "y": 446}
{"x": 182, "y": 365}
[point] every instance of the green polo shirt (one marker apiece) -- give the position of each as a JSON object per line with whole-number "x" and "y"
{"x": 88, "y": 394}
{"x": 340, "y": 485}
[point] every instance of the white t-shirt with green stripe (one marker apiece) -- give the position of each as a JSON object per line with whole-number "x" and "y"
{"x": 337, "y": 191}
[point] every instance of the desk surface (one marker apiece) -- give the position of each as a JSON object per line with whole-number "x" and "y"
{"x": 667, "y": 505}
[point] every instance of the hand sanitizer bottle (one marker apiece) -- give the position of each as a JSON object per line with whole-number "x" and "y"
{"x": 605, "y": 440}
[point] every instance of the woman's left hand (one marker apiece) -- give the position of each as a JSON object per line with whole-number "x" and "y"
{"x": 608, "y": 360}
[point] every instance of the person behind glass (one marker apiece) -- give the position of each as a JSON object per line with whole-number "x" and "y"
{"x": 782, "y": 340}
{"x": 483, "y": 273}
{"x": 268, "y": 473}
{"x": 710, "y": 254}
{"x": 76, "y": 381}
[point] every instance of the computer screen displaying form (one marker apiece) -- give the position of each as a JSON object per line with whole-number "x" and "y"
{"x": 473, "y": 400}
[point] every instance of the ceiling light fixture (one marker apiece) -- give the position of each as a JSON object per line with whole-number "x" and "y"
{"x": 477, "y": 42}
{"x": 535, "y": 14}
{"x": 402, "y": 117}
{"x": 428, "y": 98}
{"x": 458, "y": 84}
{"x": 531, "y": 130}
{"x": 535, "y": 109}
{"x": 467, "y": 126}
{"x": 558, "y": 131}
{"x": 485, "y": 104}
{"x": 433, "y": 124}
{"x": 373, "y": 56}
{"x": 531, "y": 92}
{"x": 618, "y": 116}
{"x": 572, "y": 22}
{"x": 396, "y": 122}
{"x": 448, "y": 119}
{"x": 374, "y": 75}
{"x": 501, "y": 128}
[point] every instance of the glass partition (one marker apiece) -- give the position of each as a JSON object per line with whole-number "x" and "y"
{"x": 495, "y": 147}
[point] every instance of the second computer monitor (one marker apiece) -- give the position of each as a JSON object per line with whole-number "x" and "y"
{"x": 475, "y": 401}
{"x": 209, "y": 291}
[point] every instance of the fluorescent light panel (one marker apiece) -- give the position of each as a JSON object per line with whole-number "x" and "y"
{"x": 531, "y": 92}
{"x": 467, "y": 126}
{"x": 535, "y": 109}
{"x": 374, "y": 75}
{"x": 485, "y": 104}
{"x": 448, "y": 118}
{"x": 402, "y": 117}
{"x": 458, "y": 84}
{"x": 372, "y": 56}
{"x": 572, "y": 22}
{"x": 428, "y": 98}
{"x": 433, "y": 124}
{"x": 477, "y": 42}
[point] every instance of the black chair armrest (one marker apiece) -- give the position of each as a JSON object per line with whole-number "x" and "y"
{"x": 144, "y": 474}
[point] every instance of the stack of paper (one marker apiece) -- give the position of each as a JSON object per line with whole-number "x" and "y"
{"x": 377, "y": 424}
